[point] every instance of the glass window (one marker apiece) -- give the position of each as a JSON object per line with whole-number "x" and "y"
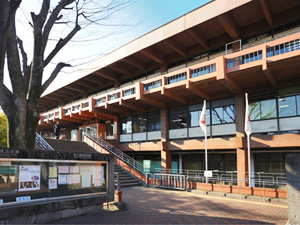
{"x": 254, "y": 109}
{"x": 287, "y": 106}
{"x": 139, "y": 123}
{"x": 126, "y": 125}
{"x": 229, "y": 114}
{"x": 194, "y": 119}
{"x": 178, "y": 121}
{"x": 154, "y": 123}
{"x": 217, "y": 115}
{"x": 298, "y": 104}
{"x": 268, "y": 109}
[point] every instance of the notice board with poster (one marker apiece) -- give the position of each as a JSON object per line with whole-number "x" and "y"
{"x": 26, "y": 180}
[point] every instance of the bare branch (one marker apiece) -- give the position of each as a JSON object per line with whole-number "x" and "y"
{"x": 24, "y": 54}
{"x": 53, "y": 18}
{"x": 53, "y": 75}
{"x": 61, "y": 43}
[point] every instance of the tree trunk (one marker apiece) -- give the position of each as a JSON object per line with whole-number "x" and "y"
{"x": 32, "y": 123}
{"x": 16, "y": 116}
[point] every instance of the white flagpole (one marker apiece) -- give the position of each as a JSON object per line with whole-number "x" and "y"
{"x": 248, "y": 131}
{"x": 206, "y": 163}
{"x": 202, "y": 124}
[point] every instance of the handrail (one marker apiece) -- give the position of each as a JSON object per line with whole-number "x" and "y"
{"x": 116, "y": 152}
{"x": 41, "y": 144}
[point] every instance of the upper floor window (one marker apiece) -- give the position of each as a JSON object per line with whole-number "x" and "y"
{"x": 195, "y": 113}
{"x": 265, "y": 109}
{"x": 154, "y": 123}
{"x": 139, "y": 123}
{"x": 126, "y": 123}
{"x": 224, "y": 114}
{"x": 178, "y": 117}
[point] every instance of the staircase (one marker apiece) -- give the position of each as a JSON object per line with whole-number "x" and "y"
{"x": 70, "y": 146}
{"x": 125, "y": 178}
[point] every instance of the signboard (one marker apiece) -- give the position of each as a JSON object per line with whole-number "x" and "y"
{"x": 8, "y": 169}
{"x": 23, "y": 198}
{"x": 29, "y": 178}
{"x": 147, "y": 166}
{"x": 52, "y": 183}
{"x": 1, "y": 201}
{"x": 208, "y": 173}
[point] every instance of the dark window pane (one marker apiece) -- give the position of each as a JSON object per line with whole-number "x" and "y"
{"x": 178, "y": 121}
{"x": 154, "y": 121}
{"x": 139, "y": 123}
{"x": 298, "y": 104}
{"x": 287, "y": 106}
{"x": 126, "y": 125}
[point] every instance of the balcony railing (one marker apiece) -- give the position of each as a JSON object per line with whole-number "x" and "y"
{"x": 283, "y": 48}
{"x": 203, "y": 70}
{"x": 152, "y": 85}
{"x": 176, "y": 78}
{"x": 244, "y": 59}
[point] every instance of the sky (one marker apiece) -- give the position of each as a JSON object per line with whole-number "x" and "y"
{"x": 140, "y": 17}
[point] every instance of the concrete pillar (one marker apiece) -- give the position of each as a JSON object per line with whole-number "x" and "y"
{"x": 241, "y": 151}
{"x": 180, "y": 164}
{"x": 292, "y": 167}
{"x": 166, "y": 159}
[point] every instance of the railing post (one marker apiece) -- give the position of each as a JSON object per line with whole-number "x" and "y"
{"x": 264, "y": 191}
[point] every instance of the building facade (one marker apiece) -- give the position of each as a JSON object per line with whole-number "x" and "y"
{"x": 146, "y": 97}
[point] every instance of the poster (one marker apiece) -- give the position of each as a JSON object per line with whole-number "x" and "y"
{"x": 63, "y": 169}
{"x": 86, "y": 170}
{"x": 29, "y": 178}
{"x": 52, "y": 172}
{"x": 73, "y": 179}
{"x": 52, "y": 184}
{"x": 62, "y": 179}
{"x": 74, "y": 169}
{"x": 98, "y": 176}
{"x": 1, "y": 201}
{"x": 86, "y": 181}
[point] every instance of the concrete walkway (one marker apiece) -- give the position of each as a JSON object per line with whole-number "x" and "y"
{"x": 159, "y": 206}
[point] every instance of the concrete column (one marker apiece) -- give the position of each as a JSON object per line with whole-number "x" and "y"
{"x": 292, "y": 167}
{"x": 241, "y": 151}
{"x": 117, "y": 129}
{"x": 180, "y": 164}
{"x": 166, "y": 159}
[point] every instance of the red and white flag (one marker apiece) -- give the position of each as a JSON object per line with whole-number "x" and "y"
{"x": 247, "y": 118}
{"x": 202, "y": 121}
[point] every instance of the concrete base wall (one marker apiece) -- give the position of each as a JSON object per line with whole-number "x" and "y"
{"x": 292, "y": 166}
{"x": 43, "y": 212}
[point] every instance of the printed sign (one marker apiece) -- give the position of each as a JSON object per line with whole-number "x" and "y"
{"x": 73, "y": 179}
{"x": 74, "y": 169}
{"x": 29, "y": 178}
{"x": 98, "y": 176}
{"x": 208, "y": 173}
{"x": 8, "y": 169}
{"x": 63, "y": 169}
{"x": 52, "y": 172}
{"x": 52, "y": 183}
{"x": 86, "y": 170}
{"x": 1, "y": 201}
{"x": 86, "y": 181}
{"x": 62, "y": 179}
{"x": 147, "y": 166}
{"x": 23, "y": 198}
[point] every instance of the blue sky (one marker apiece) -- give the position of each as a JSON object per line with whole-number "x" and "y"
{"x": 143, "y": 15}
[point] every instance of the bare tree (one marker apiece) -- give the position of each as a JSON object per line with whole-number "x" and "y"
{"x": 20, "y": 103}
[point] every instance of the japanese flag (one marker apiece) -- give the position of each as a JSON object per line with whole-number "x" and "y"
{"x": 247, "y": 118}
{"x": 202, "y": 121}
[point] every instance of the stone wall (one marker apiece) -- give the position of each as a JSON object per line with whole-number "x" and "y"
{"x": 43, "y": 212}
{"x": 292, "y": 166}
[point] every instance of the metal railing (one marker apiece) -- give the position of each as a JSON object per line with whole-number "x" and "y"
{"x": 116, "y": 152}
{"x": 171, "y": 181}
{"x": 230, "y": 177}
{"x": 41, "y": 144}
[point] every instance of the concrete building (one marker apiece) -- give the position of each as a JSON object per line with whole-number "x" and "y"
{"x": 146, "y": 97}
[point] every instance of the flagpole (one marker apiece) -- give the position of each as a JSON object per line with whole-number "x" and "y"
{"x": 249, "y": 165}
{"x": 206, "y": 163}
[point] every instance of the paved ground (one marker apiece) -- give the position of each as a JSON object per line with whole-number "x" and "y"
{"x": 158, "y": 206}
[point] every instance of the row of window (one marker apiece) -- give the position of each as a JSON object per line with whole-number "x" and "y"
{"x": 145, "y": 122}
{"x": 266, "y": 109}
